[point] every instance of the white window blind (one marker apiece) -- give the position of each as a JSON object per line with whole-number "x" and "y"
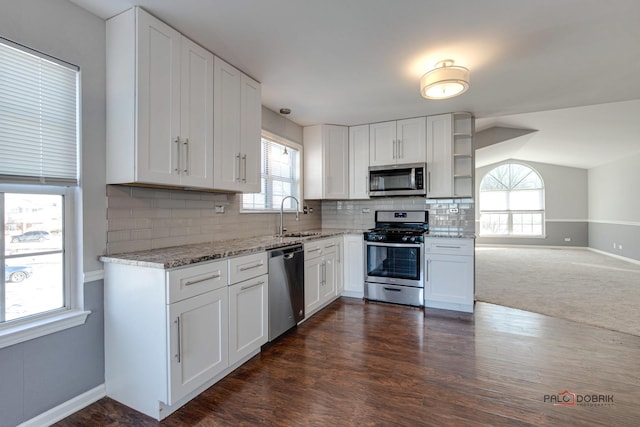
{"x": 38, "y": 118}
{"x": 280, "y": 177}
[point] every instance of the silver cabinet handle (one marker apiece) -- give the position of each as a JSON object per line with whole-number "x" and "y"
{"x": 186, "y": 162}
{"x": 204, "y": 279}
{"x": 394, "y": 148}
{"x": 393, "y": 289}
{"x": 178, "y": 355}
{"x": 448, "y": 247}
{"x": 315, "y": 250}
{"x": 260, "y": 264}
{"x": 400, "y": 149}
{"x": 244, "y": 288}
{"x": 429, "y": 181}
{"x": 239, "y": 167}
{"x": 177, "y": 168}
{"x": 330, "y": 246}
{"x": 244, "y": 169}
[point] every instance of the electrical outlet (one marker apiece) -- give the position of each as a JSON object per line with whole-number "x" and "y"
{"x": 614, "y": 245}
{"x": 567, "y": 239}
{"x": 620, "y": 246}
{"x": 219, "y": 209}
{"x": 366, "y": 210}
{"x": 453, "y": 210}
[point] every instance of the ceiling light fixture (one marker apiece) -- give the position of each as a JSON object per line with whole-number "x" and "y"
{"x": 444, "y": 81}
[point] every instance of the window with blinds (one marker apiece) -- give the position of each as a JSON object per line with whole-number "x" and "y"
{"x": 39, "y": 122}
{"x": 38, "y": 117}
{"x": 280, "y": 176}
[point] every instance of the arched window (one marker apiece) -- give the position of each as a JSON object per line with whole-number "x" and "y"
{"x": 512, "y": 202}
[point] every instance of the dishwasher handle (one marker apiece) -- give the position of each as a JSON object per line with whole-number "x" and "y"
{"x": 288, "y": 251}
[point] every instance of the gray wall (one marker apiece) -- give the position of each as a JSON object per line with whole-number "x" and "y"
{"x": 40, "y": 374}
{"x": 566, "y": 207}
{"x": 614, "y": 207}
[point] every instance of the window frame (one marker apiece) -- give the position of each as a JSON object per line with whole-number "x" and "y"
{"x": 511, "y": 212}
{"x": 290, "y": 144}
{"x": 73, "y": 313}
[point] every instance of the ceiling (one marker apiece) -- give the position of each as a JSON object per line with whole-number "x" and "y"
{"x": 360, "y": 61}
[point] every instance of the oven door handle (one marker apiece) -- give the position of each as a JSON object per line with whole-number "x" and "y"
{"x": 395, "y": 245}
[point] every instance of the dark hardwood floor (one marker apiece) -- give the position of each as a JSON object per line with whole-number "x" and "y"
{"x": 358, "y": 363}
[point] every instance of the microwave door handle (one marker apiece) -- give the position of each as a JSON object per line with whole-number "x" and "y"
{"x": 413, "y": 178}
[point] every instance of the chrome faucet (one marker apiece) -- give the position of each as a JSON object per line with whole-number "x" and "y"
{"x": 282, "y": 229}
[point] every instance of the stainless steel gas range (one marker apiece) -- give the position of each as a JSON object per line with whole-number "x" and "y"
{"x": 394, "y": 255}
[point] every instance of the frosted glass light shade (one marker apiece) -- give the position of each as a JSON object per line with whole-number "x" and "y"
{"x": 444, "y": 82}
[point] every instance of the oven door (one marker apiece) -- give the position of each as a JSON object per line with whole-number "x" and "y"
{"x": 395, "y": 263}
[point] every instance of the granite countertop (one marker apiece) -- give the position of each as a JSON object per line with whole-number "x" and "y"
{"x": 178, "y": 256}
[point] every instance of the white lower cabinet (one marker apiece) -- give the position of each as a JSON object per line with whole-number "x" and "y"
{"x": 353, "y": 266}
{"x": 248, "y": 317}
{"x": 198, "y": 341}
{"x": 449, "y": 275}
{"x": 170, "y": 334}
{"x": 322, "y": 273}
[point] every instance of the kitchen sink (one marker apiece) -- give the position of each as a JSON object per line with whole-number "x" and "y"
{"x": 301, "y": 234}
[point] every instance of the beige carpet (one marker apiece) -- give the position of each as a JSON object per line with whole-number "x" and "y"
{"x": 574, "y": 284}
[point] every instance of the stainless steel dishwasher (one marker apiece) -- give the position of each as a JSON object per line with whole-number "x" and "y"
{"x": 286, "y": 289}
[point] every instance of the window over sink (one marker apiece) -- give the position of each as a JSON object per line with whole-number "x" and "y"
{"x": 280, "y": 176}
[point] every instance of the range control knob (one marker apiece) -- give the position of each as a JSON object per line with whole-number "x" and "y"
{"x": 405, "y": 238}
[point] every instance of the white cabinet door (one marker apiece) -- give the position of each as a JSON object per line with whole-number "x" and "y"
{"x": 382, "y": 143}
{"x": 251, "y": 126}
{"x": 226, "y": 126}
{"x": 359, "y": 162}
{"x": 329, "y": 283}
{"x": 198, "y": 341}
{"x": 326, "y": 162}
{"x": 237, "y": 123}
{"x": 439, "y": 156}
{"x": 248, "y": 317}
{"x": 411, "y": 140}
{"x": 449, "y": 282}
{"x": 353, "y": 266}
{"x": 158, "y": 101}
{"x": 336, "y": 162}
{"x": 313, "y": 270}
{"x": 196, "y": 116}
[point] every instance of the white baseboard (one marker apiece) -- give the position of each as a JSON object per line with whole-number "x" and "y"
{"x": 67, "y": 408}
{"x": 623, "y": 258}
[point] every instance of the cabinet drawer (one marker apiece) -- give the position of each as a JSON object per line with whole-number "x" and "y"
{"x": 194, "y": 280}
{"x": 246, "y": 267}
{"x": 314, "y": 249}
{"x": 449, "y": 246}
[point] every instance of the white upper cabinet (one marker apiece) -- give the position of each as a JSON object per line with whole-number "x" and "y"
{"x": 397, "y": 142}
{"x": 359, "y": 162}
{"x": 237, "y": 124}
{"x": 326, "y": 162}
{"x": 450, "y": 156}
{"x": 159, "y": 104}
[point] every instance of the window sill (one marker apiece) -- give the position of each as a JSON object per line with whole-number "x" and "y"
{"x": 16, "y": 334}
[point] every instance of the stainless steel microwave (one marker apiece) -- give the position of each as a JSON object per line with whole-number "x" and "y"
{"x": 397, "y": 180}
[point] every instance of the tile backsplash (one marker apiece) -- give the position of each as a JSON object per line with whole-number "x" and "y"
{"x": 142, "y": 218}
{"x": 149, "y": 218}
{"x": 450, "y": 217}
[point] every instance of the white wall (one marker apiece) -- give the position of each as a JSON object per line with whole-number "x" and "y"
{"x": 614, "y": 207}
{"x": 566, "y": 205}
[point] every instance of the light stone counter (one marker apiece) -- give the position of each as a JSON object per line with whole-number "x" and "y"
{"x": 178, "y": 256}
